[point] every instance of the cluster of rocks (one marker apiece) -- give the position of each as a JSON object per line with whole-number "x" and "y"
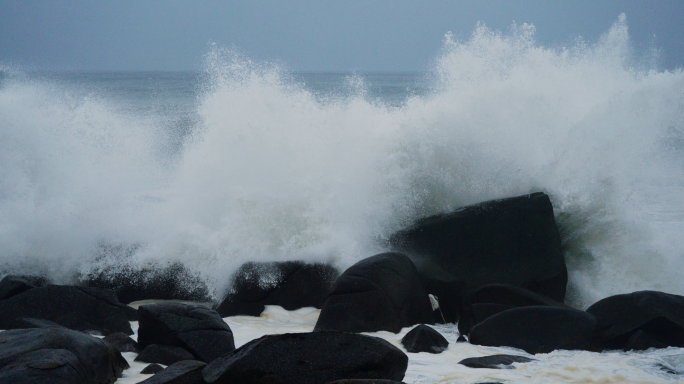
{"x": 496, "y": 268}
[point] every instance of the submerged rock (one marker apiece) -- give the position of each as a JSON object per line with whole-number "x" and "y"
{"x": 511, "y": 241}
{"x": 491, "y": 299}
{"x": 380, "y": 293}
{"x": 495, "y": 361}
{"x": 57, "y": 355}
{"x": 291, "y": 285}
{"x": 79, "y": 308}
{"x": 641, "y": 320}
{"x": 182, "y": 372}
{"x": 424, "y": 339}
{"x": 308, "y": 358}
{"x": 539, "y": 330}
{"x": 197, "y": 329}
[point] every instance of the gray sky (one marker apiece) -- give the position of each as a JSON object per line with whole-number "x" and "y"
{"x": 319, "y": 35}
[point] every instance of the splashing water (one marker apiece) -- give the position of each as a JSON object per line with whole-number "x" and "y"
{"x": 273, "y": 171}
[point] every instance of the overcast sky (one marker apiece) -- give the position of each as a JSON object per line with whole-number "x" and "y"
{"x": 320, "y": 35}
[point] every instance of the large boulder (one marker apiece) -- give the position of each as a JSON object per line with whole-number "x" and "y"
{"x": 539, "y": 330}
{"x": 156, "y": 282}
{"x": 424, "y": 339}
{"x": 57, "y": 355}
{"x": 291, "y": 285}
{"x": 197, "y": 329}
{"x": 641, "y": 320}
{"x": 380, "y": 293}
{"x": 83, "y": 309}
{"x": 495, "y": 298}
{"x": 449, "y": 290}
{"x": 512, "y": 241}
{"x": 13, "y": 285}
{"x": 308, "y": 358}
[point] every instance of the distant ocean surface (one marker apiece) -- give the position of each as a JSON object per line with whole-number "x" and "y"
{"x": 248, "y": 161}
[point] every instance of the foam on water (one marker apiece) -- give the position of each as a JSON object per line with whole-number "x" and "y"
{"x": 272, "y": 171}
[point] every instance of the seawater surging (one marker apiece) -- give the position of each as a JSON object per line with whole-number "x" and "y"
{"x": 270, "y": 170}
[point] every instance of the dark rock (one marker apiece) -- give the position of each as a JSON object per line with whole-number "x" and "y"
{"x": 182, "y": 372}
{"x": 539, "y": 330}
{"x": 461, "y": 339}
{"x": 380, "y": 293}
{"x": 13, "y": 285}
{"x": 79, "y": 308}
{"x": 122, "y": 342}
{"x": 309, "y": 358}
{"x": 172, "y": 282}
{"x": 57, "y": 355}
{"x": 152, "y": 369}
{"x": 28, "y": 322}
{"x": 163, "y": 354}
{"x": 667, "y": 369}
{"x": 495, "y": 298}
{"x": 449, "y": 290}
{"x": 495, "y": 361}
{"x": 197, "y": 329}
{"x": 512, "y": 241}
{"x": 362, "y": 381}
{"x": 659, "y": 316}
{"x": 424, "y": 339}
{"x": 291, "y": 285}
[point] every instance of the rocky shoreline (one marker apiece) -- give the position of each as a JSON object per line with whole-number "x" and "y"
{"x": 495, "y": 268}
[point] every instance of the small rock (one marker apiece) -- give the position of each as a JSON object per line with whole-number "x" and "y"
{"x": 424, "y": 339}
{"x": 182, "y": 372}
{"x": 152, "y": 369}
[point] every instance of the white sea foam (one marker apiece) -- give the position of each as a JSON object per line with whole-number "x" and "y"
{"x": 272, "y": 171}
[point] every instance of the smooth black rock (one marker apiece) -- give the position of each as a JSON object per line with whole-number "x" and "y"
{"x": 122, "y": 342}
{"x": 199, "y": 330}
{"x": 494, "y": 361}
{"x": 511, "y": 241}
{"x": 539, "y": 330}
{"x": 491, "y": 299}
{"x": 163, "y": 354}
{"x": 309, "y": 358}
{"x": 57, "y": 355}
{"x": 449, "y": 290}
{"x": 79, "y": 308}
{"x": 13, "y": 285}
{"x": 152, "y": 369}
{"x": 163, "y": 282}
{"x": 28, "y": 322}
{"x": 380, "y": 293}
{"x": 424, "y": 339}
{"x": 291, "y": 285}
{"x": 659, "y": 316}
{"x": 182, "y": 372}
{"x": 461, "y": 339}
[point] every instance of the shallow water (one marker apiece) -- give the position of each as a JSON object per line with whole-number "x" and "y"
{"x": 426, "y": 368}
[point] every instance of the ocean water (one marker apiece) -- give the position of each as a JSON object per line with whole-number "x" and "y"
{"x": 246, "y": 160}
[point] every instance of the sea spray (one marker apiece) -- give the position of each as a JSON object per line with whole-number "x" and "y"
{"x": 268, "y": 169}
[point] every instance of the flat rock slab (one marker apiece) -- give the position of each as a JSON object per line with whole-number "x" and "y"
{"x": 291, "y": 285}
{"x": 539, "y": 330}
{"x": 641, "y": 320}
{"x": 380, "y": 293}
{"x": 309, "y": 358}
{"x": 182, "y": 372}
{"x": 495, "y": 361}
{"x": 78, "y": 308}
{"x": 197, "y": 329}
{"x": 57, "y": 355}
{"x": 424, "y": 339}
